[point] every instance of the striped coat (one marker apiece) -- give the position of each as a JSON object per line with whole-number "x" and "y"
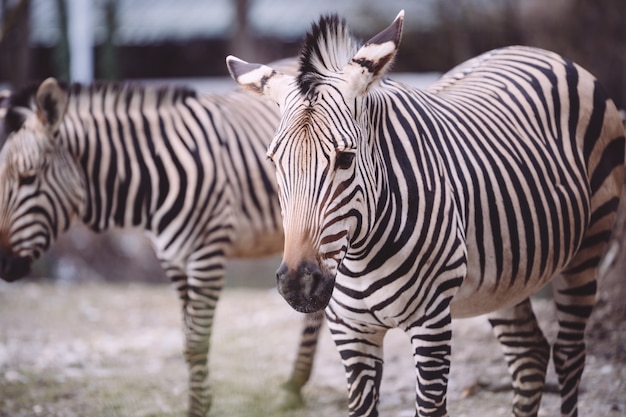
{"x": 405, "y": 207}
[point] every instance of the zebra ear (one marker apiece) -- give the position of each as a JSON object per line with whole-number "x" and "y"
{"x": 51, "y": 102}
{"x": 374, "y": 58}
{"x": 258, "y": 78}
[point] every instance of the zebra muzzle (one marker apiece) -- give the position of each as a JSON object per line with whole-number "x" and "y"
{"x": 307, "y": 289}
{"x": 13, "y": 267}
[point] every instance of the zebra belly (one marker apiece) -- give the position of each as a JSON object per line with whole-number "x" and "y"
{"x": 473, "y": 299}
{"x": 504, "y": 271}
{"x": 484, "y": 290}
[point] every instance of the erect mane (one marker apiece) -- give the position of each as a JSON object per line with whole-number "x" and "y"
{"x": 328, "y": 47}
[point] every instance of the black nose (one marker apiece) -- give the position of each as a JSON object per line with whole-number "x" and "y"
{"x": 11, "y": 267}
{"x": 306, "y": 289}
{"x": 282, "y": 274}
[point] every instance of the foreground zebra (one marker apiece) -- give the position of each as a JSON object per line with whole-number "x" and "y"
{"x": 185, "y": 168}
{"x": 404, "y": 208}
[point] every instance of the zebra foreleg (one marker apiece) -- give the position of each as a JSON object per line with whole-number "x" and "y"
{"x": 199, "y": 298}
{"x": 361, "y": 350}
{"x": 292, "y": 389}
{"x": 574, "y": 294}
{"x": 526, "y": 352}
{"x": 198, "y": 318}
{"x": 431, "y": 341}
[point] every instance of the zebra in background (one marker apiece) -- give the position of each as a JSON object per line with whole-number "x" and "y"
{"x": 404, "y": 208}
{"x": 184, "y": 167}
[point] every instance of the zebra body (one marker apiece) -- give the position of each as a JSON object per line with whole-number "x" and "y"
{"x": 183, "y": 167}
{"x": 404, "y": 208}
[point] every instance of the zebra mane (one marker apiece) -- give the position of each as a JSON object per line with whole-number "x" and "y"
{"x": 25, "y": 98}
{"x": 162, "y": 95}
{"x": 328, "y": 47}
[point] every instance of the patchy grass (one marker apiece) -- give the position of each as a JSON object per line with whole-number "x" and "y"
{"x": 116, "y": 350}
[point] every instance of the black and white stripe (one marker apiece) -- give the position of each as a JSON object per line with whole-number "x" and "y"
{"x": 187, "y": 168}
{"x": 414, "y": 206}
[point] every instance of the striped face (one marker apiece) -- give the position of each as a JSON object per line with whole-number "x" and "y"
{"x": 320, "y": 197}
{"x": 40, "y": 184}
{"x": 322, "y": 163}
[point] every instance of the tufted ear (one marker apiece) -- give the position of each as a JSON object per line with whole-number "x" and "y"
{"x": 374, "y": 58}
{"x": 51, "y": 102}
{"x": 259, "y": 78}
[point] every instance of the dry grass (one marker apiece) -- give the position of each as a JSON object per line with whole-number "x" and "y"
{"x": 115, "y": 350}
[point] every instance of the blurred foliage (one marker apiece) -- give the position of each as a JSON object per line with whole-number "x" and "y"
{"x": 592, "y": 33}
{"x": 107, "y": 57}
{"x": 62, "y": 48}
{"x": 14, "y": 53}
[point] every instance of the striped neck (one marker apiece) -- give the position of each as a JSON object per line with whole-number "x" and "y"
{"x": 116, "y": 133}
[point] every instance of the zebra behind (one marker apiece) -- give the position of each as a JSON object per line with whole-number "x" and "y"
{"x": 183, "y": 167}
{"x": 405, "y": 207}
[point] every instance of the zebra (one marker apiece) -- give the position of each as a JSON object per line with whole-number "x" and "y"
{"x": 184, "y": 167}
{"x": 403, "y": 208}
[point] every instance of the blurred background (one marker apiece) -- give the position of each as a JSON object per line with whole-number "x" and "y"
{"x": 186, "y": 41}
{"x": 81, "y": 40}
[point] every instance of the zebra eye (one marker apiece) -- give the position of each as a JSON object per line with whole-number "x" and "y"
{"x": 344, "y": 160}
{"x": 27, "y": 179}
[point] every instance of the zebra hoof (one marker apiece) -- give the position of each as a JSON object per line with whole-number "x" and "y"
{"x": 290, "y": 398}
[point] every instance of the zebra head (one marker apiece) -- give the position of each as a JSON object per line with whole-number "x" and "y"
{"x": 40, "y": 183}
{"x": 322, "y": 162}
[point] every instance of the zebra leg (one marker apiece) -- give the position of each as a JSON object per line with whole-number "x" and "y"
{"x": 575, "y": 289}
{"x": 199, "y": 295}
{"x": 198, "y": 312}
{"x": 303, "y": 364}
{"x": 361, "y": 350}
{"x": 526, "y": 352}
{"x": 362, "y": 359}
{"x": 431, "y": 341}
{"x": 574, "y": 295}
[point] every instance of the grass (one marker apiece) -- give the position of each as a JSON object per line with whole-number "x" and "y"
{"x": 102, "y": 350}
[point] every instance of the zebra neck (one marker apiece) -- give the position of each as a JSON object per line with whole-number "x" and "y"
{"x": 402, "y": 169}
{"x": 112, "y": 131}
{"x": 107, "y": 175}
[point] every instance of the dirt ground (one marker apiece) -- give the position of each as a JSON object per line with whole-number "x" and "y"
{"x": 115, "y": 350}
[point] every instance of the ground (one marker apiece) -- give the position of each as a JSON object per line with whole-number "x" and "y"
{"x": 97, "y": 349}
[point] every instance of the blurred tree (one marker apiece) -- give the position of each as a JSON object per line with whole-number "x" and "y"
{"x": 591, "y": 33}
{"x": 108, "y": 68}
{"x": 62, "y": 48}
{"x": 463, "y": 29}
{"x": 14, "y": 42}
{"x": 242, "y": 41}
